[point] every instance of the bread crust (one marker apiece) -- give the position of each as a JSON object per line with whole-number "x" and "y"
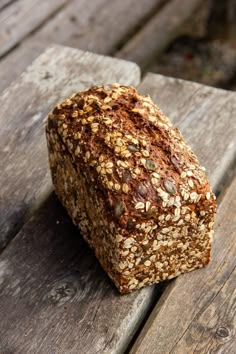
{"x": 133, "y": 186}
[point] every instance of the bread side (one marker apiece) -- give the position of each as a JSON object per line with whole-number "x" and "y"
{"x": 136, "y": 190}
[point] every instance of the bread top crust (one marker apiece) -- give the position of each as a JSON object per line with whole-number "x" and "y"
{"x": 133, "y": 157}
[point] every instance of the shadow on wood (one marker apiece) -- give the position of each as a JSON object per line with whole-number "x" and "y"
{"x": 54, "y": 295}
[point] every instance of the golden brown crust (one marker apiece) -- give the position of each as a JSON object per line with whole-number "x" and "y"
{"x": 145, "y": 180}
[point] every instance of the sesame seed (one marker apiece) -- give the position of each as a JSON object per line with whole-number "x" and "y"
{"x": 110, "y": 184}
{"x": 139, "y": 205}
{"x": 190, "y": 182}
{"x": 156, "y": 175}
{"x": 119, "y": 142}
{"x": 77, "y": 136}
{"x": 147, "y": 205}
{"x": 154, "y": 181}
{"x": 165, "y": 230}
{"x": 90, "y": 119}
{"x": 176, "y": 218}
{"x": 75, "y": 114}
{"x": 77, "y": 151}
{"x": 137, "y": 171}
{"x": 177, "y": 211}
{"x": 125, "y": 188}
{"x": 148, "y": 229}
{"x": 211, "y": 224}
{"x": 107, "y": 99}
{"x": 183, "y": 174}
{"x": 145, "y": 153}
{"x": 109, "y": 164}
{"x": 189, "y": 173}
{"x": 208, "y": 195}
{"x": 87, "y": 155}
{"x": 187, "y": 217}
{"x": 147, "y": 263}
{"x": 186, "y": 196}
{"x": 134, "y": 249}
{"x": 193, "y": 196}
{"x": 117, "y": 187}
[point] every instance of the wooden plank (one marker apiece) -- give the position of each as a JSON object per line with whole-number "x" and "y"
{"x": 60, "y": 71}
{"x": 21, "y": 18}
{"x": 206, "y": 118}
{"x": 197, "y": 312}
{"x": 160, "y": 31}
{"x": 104, "y": 27}
{"x": 13, "y": 64}
{"x": 89, "y": 25}
{"x": 5, "y": 3}
{"x": 55, "y": 298}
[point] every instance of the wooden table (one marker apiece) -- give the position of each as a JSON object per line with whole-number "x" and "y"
{"x": 54, "y": 297}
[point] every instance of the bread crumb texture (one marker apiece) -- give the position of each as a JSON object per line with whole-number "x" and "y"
{"x": 132, "y": 185}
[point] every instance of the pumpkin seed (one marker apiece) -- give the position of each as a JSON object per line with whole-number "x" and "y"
{"x": 170, "y": 187}
{"x": 119, "y": 208}
{"x": 150, "y": 164}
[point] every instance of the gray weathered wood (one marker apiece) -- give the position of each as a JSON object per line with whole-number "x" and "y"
{"x": 60, "y": 71}
{"x": 21, "y": 18}
{"x": 4, "y": 3}
{"x": 15, "y": 62}
{"x": 55, "y": 298}
{"x": 105, "y": 24}
{"x": 197, "y": 312}
{"x": 206, "y": 118}
{"x": 160, "y": 31}
{"x": 100, "y": 26}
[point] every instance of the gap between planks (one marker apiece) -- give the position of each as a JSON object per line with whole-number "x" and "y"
{"x": 40, "y": 253}
{"x": 90, "y": 26}
{"x": 31, "y": 97}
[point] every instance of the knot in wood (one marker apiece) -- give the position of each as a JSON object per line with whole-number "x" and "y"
{"x": 62, "y": 292}
{"x": 223, "y": 332}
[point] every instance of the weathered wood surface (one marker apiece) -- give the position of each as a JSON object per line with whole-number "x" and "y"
{"x": 197, "y": 312}
{"x": 206, "y": 118}
{"x": 60, "y": 71}
{"x": 4, "y": 3}
{"x": 100, "y": 26}
{"x": 104, "y": 27}
{"x": 13, "y": 64}
{"x": 21, "y": 18}
{"x": 160, "y": 31}
{"x": 54, "y": 296}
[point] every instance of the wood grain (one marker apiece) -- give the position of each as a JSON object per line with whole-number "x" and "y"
{"x": 21, "y": 18}
{"x": 100, "y": 26}
{"x": 60, "y": 71}
{"x": 197, "y": 312}
{"x": 206, "y": 118}
{"x": 55, "y": 298}
{"x": 160, "y": 31}
{"x": 4, "y": 3}
{"x": 15, "y": 62}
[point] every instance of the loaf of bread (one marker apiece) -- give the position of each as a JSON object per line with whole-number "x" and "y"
{"x": 132, "y": 185}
